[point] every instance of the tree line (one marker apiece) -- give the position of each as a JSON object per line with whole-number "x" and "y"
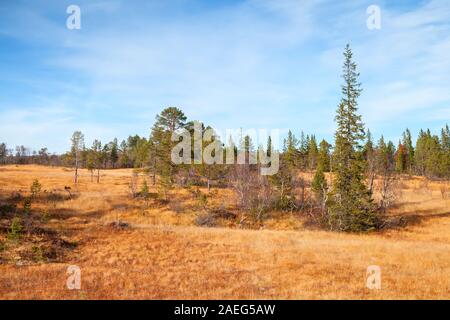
{"x": 429, "y": 156}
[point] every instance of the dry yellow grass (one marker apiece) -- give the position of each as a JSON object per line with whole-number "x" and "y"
{"x": 163, "y": 255}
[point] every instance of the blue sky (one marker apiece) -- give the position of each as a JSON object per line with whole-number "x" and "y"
{"x": 250, "y": 64}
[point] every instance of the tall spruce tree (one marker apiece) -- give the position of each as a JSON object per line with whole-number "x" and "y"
{"x": 350, "y": 207}
{"x": 269, "y": 147}
{"x": 382, "y": 162}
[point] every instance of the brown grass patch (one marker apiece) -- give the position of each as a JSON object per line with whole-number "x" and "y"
{"x": 162, "y": 255}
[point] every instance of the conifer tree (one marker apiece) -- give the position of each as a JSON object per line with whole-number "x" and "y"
{"x": 269, "y": 149}
{"x": 283, "y": 185}
{"x": 303, "y": 151}
{"x": 391, "y": 155}
{"x": 368, "y": 146}
{"x": 248, "y": 148}
{"x": 167, "y": 122}
{"x": 291, "y": 152}
{"x": 445, "y": 157}
{"x": 420, "y": 153}
{"x": 313, "y": 153}
{"x": 409, "y": 151}
{"x": 382, "y": 156}
{"x": 35, "y": 188}
{"x": 319, "y": 183}
{"x": 429, "y": 155}
{"x": 114, "y": 153}
{"x": 370, "y": 159}
{"x": 350, "y": 207}
{"x": 324, "y": 155}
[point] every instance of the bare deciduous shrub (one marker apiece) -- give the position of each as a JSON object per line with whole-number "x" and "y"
{"x": 210, "y": 217}
{"x": 243, "y": 181}
{"x": 206, "y": 220}
{"x": 253, "y": 191}
{"x": 389, "y": 191}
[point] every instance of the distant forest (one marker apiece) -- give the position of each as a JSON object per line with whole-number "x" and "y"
{"x": 428, "y": 157}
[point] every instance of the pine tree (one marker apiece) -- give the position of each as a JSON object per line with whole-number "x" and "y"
{"x": 429, "y": 155}
{"x": 420, "y": 153}
{"x": 269, "y": 149}
{"x": 433, "y": 159}
{"x": 324, "y": 155}
{"x": 283, "y": 185}
{"x": 370, "y": 159}
{"x": 445, "y": 157}
{"x": 368, "y": 147}
{"x": 391, "y": 155}
{"x": 303, "y": 151}
{"x": 124, "y": 158}
{"x": 319, "y": 183}
{"x": 312, "y": 153}
{"x": 35, "y": 188}
{"x": 114, "y": 152}
{"x": 409, "y": 151}
{"x": 248, "y": 148}
{"x": 350, "y": 207}
{"x": 291, "y": 152}
{"x": 167, "y": 122}
{"x": 382, "y": 162}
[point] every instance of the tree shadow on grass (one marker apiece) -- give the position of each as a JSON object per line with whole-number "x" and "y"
{"x": 403, "y": 220}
